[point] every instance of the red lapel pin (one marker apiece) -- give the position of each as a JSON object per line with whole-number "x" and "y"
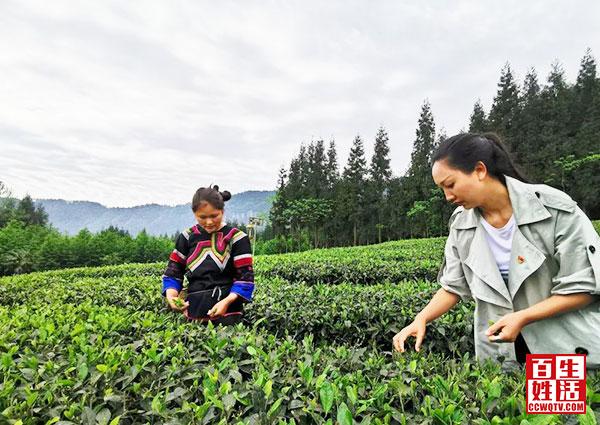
{"x": 520, "y": 259}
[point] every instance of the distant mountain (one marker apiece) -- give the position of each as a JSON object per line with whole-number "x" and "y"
{"x": 72, "y": 216}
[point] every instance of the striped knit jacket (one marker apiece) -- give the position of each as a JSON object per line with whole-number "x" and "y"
{"x": 223, "y": 258}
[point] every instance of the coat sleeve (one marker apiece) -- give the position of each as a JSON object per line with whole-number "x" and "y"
{"x": 451, "y": 276}
{"x": 576, "y": 249}
{"x": 241, "y": 251}
{"x": 173, "y": 275}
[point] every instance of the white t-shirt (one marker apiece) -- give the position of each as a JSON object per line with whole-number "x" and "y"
{"x": 500, "y": 242}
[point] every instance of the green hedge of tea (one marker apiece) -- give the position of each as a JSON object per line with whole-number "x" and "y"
{"x": 343, "y": 313}
{"x": 84, "y": 363}
{"x": 391, "y": 261}
{"x": 99, "y": 346}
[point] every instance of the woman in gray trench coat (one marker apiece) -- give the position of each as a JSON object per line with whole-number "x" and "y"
{"x": 537, "y": 293}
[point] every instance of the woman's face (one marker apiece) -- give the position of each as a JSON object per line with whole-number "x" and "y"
{"x": 460, "y": 188}
{"x": 209, "y": 217}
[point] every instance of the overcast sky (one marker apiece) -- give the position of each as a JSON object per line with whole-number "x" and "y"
{"x": 128, "y": 103}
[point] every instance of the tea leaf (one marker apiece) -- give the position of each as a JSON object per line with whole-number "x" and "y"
{"x": 326, "y": 394}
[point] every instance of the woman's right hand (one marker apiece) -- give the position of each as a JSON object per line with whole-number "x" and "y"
{"x": 416, "y": 329}
{"x": 175, "y": 303}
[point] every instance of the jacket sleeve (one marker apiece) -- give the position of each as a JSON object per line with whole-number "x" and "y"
{"x": 241, "y": 251}
{"x": 451, "y": 276}
{"x": 173, "y": 275}
{"x": 576, "y": 249}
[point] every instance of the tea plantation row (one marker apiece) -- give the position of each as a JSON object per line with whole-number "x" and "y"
{"x": 391, "y": 261}
{"x": 98, "y": 346}
{"x": 344, "y": 313}
{"x": 98, "y": 364}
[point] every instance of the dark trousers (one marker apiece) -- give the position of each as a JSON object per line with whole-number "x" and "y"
{"x": 521, "y": 349}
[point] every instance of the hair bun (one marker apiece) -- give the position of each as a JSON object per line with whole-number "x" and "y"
{"x": 215, "y": 187}
{"x": 226, "y": 195}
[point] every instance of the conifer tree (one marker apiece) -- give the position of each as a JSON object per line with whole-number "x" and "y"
{"x": 354, "y": 177}
{"x": 528, "y": 127}
{"x": 280, "y": 202}
{"x": 380, "y": 174}
{"x": 419, "y": 172}
{"x": 317, "y": 171}
{"x": 29, "y": 214}
{"x": 505, "y": 108}
{"x": 332, "y": 171}
{"x": 380, "y": 170}
{"x": 584, "y": 92}
{"x": 478, "y": 121}
{"x": 555, "y": 99}
{"x": 418, "y": 182}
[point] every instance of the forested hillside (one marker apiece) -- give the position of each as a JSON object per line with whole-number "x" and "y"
{"x": 70, "y": 217}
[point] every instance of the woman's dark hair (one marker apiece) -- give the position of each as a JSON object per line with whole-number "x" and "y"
{"x": 464, "y": 150}
{"x": 211, "y": 195}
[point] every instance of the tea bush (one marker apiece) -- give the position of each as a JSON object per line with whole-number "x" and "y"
{"x": 343, "y": 313}
{"x": 84, "y": 363}
{"x": 391, "y": 261}
{"x": 98, "y": 346}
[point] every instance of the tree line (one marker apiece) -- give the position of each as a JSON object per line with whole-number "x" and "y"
{"x": 29, "y": 243}
{"x": 551, "y": 128}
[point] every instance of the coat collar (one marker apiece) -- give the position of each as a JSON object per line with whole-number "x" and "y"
{"x": 528, "y": 207}
{"x": 526, "y": 204}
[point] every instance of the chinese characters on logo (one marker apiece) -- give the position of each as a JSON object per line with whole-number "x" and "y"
{"x": 556, "y": 383}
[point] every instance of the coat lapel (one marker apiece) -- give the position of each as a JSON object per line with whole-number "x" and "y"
{"x": 525, "y": 259}
{"x": 482, "y": 263}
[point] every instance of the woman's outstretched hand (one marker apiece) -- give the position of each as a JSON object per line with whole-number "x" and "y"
{"x": 176, "y": 303}
{"x": 507, "y": 328}
{"x": 416, "y": 329}
{"x": 220, "y": 308}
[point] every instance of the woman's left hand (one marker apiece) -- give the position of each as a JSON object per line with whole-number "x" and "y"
{"x": 219, "y": 308}
{"x": 509, "y": 327}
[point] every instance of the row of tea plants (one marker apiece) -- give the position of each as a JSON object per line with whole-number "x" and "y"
{"x": 98, "y": 346}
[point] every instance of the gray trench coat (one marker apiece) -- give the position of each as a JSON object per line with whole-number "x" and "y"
{"x": 555, "y": 250}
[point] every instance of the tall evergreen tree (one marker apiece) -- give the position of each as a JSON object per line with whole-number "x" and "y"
{"x": 304, "y": 171}
{"x": 589, "y": 133}
{"x": 380, "y": 174}
{"x": 280, "y": 202}
{"x": 585, "y": 178}
{"x": 399, "y": 202}
{"x": 296, "y": 176}
{"x": 585, "y": 90}
{"x": 505, "y": 108}
{"x": 354, "y": 177}
{"x": 380, "y": 170}
{"x": 332, "y": 171}
{"x": 419, "y": 172}
{"x": 418, "y": 182}
{"x": 332, "y": 228}
{"x": 29, "y": 214}
{"x": 555, "y": 99}
{"x": 478, "y": 122}
{"x": 528, "y": 127}
{"x": 317, "y": 170}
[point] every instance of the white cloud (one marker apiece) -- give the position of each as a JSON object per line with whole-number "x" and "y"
{"x": 127, "y": 103}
